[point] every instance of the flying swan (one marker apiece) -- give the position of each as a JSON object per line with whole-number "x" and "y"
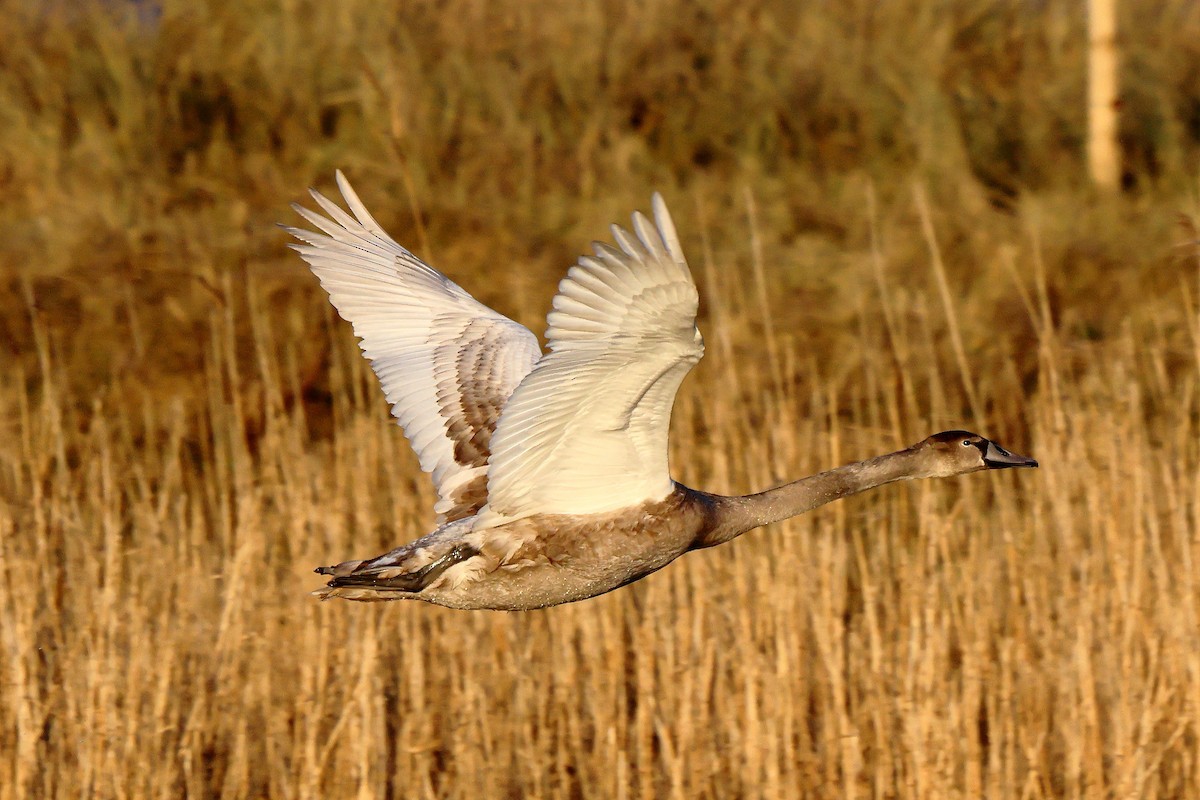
{"x": 551, "y": 468}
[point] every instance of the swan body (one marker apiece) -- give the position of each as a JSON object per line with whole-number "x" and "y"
{"x": 551, "y": 469}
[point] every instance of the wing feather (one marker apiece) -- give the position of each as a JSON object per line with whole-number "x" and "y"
{"x": 586, "y": 430}
{"x": 447, "y": 363}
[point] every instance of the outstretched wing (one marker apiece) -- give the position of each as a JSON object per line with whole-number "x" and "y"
{"x": 447, "y": 362}
{"x": 586, "y": 430}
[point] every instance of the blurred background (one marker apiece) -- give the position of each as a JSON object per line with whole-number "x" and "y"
{"x": 889, "y": 211}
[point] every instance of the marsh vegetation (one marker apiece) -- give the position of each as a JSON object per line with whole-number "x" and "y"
{"x": 889, "y": 240}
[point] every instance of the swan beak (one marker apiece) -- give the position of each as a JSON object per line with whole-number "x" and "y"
{"x": 996, "y": 457}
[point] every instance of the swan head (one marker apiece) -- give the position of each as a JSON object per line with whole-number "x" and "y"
{"x": 959, "y": 452}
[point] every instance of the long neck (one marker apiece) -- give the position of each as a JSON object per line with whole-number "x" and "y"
{"x": 736, "y": 515}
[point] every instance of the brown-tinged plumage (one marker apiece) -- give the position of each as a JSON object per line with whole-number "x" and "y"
{"x": 552, "y": 468}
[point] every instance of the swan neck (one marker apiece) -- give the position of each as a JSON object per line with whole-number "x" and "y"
{"x": 745, "y": 513}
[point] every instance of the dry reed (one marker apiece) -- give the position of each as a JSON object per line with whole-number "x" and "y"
{"x": 187, "y": 430}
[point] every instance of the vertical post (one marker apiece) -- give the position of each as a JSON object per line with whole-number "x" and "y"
{"x": 1104, "y": 161}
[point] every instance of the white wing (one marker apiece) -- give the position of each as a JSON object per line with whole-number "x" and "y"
{"x": 447, "y": 362}
{"x": 586, "y": 430}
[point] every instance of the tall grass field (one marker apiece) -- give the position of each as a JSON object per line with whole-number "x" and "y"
{"x": 887, "y": 210}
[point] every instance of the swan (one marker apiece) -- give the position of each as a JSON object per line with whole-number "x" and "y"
{"x": 551, "y": 468}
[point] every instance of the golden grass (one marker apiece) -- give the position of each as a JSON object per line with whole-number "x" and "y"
{"x": 186, "y": 430}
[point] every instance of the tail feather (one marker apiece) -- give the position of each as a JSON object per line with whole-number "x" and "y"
{"x": 344, "y": 568}
{"x": 362, "y": 580}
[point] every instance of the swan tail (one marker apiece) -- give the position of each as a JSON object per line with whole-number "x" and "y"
{"x": 374, "y": 581}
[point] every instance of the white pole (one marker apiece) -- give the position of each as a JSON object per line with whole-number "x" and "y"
{"x": 1104, "y": 162}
